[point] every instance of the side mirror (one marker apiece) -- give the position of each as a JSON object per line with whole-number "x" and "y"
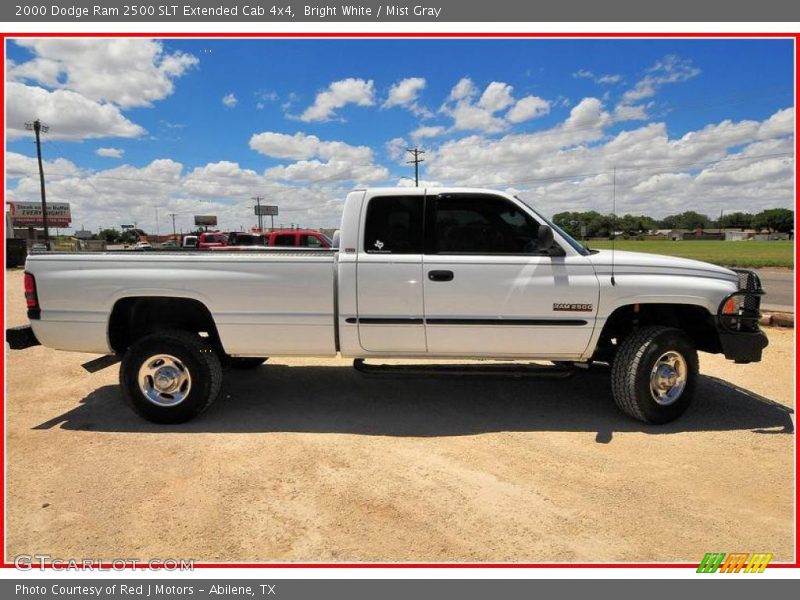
{"x": 544, "y": 239}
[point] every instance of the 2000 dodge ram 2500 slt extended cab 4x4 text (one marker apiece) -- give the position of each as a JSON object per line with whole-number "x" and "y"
{"x": 419, "y": 273}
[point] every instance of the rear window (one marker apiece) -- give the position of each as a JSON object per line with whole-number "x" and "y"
{"x": 285, "y": 239}
{"x": 394, "y": 225}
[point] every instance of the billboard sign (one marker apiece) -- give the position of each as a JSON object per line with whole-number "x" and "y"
{"x": 266, "y": 210}
{"x": 29, "y": 214}
{"x": 205, "y": 220}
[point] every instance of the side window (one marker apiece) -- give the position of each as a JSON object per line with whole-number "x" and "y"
{"x": 310, "y": 241}
{"x": 482, "y": 225}
{"x": 394, "y": 225}
{"x": 284, "y": 239}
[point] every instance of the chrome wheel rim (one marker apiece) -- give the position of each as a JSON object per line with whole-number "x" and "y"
{"x": 164, "y": 380}
{"x": 668, "y": 378}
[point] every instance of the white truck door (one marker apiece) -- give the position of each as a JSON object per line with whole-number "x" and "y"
{"x": 488, "y": 292}
{"x": 389, "y": 275}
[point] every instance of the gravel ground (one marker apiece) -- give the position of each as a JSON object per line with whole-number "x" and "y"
{"x": 308, "y": 460}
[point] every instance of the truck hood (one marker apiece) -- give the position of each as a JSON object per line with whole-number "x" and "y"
{"x": 657, "y": 264}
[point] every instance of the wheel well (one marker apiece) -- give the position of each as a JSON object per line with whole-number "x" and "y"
{"x": 132, "y": 318}
{"x": 695, "y": 321}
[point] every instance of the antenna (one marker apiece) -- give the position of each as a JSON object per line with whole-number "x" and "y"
{"x": 613, "y": 219}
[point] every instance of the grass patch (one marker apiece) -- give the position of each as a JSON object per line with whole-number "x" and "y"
{"x": 754, "y": 253}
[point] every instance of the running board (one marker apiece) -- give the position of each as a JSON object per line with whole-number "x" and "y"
{"x": 496, "y": 370}
{"x": 98, "y": 364}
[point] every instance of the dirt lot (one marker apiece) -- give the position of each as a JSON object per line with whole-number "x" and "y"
{"x": 308, "y": 460}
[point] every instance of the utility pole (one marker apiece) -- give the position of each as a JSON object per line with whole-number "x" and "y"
{"x": 158, "y": 233}
{"x": 39, "y": 128}
{"x": 415, "y": 152}
{"x": 174, "y": 233}
{"x": 258, "y": 200}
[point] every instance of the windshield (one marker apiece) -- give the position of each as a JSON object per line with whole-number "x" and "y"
{"x": 576, "y": 245}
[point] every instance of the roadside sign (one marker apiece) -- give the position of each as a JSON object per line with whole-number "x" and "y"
{"x": 266, "y": 210}
{"x": 205, "y": 220}
{"x": 127, "y": 226}
{"x": 29, "y": 214}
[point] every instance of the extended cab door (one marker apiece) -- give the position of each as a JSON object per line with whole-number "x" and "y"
{"x": 490, "y": 292}
{"x": 389, "y": 275}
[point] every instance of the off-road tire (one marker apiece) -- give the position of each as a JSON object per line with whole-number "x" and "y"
{"x": 633, "y": 364}
{"x": 199, "y": 358}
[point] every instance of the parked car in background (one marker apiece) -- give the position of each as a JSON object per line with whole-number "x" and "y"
{"x": 39, "y": 247}
{"x": 169, "y": 244}
{"x": 142, "y": 246}
{"x": 239, "y": 238}
{"x": 212, "y": 240}
{"x": 304, "y": 238}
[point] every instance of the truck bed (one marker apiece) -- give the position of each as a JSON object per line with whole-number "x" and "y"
{"x": 279, "y": 301}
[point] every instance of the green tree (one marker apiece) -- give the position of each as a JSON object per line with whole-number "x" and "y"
{"x": 111, "y": 236}
{"x": 686, "y": 220}
{"x": 775, "y": 219}
{"x": 736, "y": 219}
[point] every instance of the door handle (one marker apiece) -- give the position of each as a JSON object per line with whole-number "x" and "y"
{"x": 440, "y": 275}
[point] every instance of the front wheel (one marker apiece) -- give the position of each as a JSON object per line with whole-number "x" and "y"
{"x": 171, "y": 376}
{"x": 654, "y": 374}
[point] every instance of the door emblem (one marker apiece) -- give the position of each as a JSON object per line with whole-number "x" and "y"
{"x": 564, "y": 306}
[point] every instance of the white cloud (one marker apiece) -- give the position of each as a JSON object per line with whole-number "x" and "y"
{"x": 496, "y": 97}
{"x": 528, "y": 108}
{"x": 396, "y": 148}
{"x": 19, "y": 165}
{"x": 70, "y": 115}
{"x": 230, "y": 100}
{"x": 483, "y": 115}
{"x": 670, "y": 69}
{"x": 568, "y": 167}
{"x": 109, "y": 152}
{"x": 337, "y": 95}
{"x": 606, "y": 79}
{"x": 427, "y": 131}
{"x": 340, "y": 162}
{"x": 405, "y": 93}
{"x": 126, "y": 71}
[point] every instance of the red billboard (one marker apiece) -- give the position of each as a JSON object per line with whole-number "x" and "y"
{"x": 29, "y": 214}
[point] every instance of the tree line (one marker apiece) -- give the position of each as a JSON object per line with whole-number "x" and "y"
{"x": 774, "y": 220}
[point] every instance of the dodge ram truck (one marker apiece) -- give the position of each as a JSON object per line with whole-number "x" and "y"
{"x": 419, "y": 273}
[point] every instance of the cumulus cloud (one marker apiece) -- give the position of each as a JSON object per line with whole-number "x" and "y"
{"x": 125, "y": 71}
{"x": 229, "y": 100}
{"x": 70, "y": 115}
{"x": 472, "y": 113}
{"x": 568, "y": 167}
{"x": 405, "y": 93}
{"x": 427, "y": 131}
{"x": 109, "y": 152}
{"x": 337, "y": 95}
{"x": 670, "y": 69}
{"x": 340, "y": 162}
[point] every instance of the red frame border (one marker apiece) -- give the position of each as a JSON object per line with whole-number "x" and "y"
{"x": 363, "y": 35}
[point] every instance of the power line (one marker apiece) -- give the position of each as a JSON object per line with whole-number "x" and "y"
{"x": 415, "y": 152}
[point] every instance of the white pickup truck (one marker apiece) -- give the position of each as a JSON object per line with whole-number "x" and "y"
{"x": 419, "y": 273}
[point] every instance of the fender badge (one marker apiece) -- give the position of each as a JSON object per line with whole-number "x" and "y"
{"x": 562, "y": 306}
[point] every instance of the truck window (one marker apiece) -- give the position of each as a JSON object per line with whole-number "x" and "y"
{"x": 284, "y": 239}
{"x": 310, "y": 241}
{"x": 466, "y": 224}
{"x": 394, "y": 225}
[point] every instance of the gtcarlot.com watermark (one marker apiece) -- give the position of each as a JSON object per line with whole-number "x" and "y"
{"x": 29, "y": 562}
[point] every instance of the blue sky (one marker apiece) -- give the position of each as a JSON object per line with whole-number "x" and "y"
{"x": 199, "y": 103}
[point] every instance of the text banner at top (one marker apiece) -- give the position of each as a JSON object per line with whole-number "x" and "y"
{"x": 575, "y": 11}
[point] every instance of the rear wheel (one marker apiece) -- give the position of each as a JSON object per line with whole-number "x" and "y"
{"x": 654, "y": 374}
{"x": 246, "y": 362}
{"x": 171, "y": 376}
